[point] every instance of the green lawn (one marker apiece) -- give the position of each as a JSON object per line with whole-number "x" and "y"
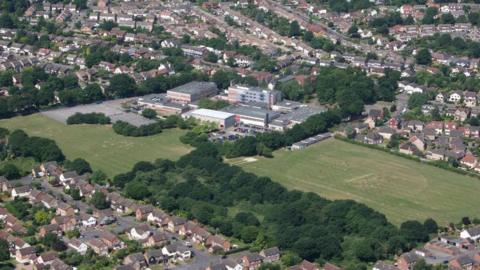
{"x": 400, "y": 188}
{"x": 99, "y": 145}
{"x": 25, "y": 165}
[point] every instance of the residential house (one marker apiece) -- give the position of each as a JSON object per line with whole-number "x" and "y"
{"x": 441, "y": 97}
{"x": 304, "y": 265}
{"x": 156, "y": 240}
{"x": 386, "y": 132}
{"x": 270, "y": 254}
{"x": 140, "y": 232}
{"x": 21, "y": 192}
{"x": 381, "y": 265}
{"x": 419, "y": 141}
{"x": 252, "y": 261}
{"x": 50, "y": 229}
{"x": 175, "y": 223}
{"x": 98, "y": 246}
{"x": 66, "y": 223}
{"x": 215, "y": 241}
{"x": 143, "y": 212}
{"x": 330, "y": 266}
{"x": 455, "y": 97}
{"x": 78, "y": 246}
{"x": 470, "y": 99}
{"x": 137, "y": 260}
{"x": 407, "y": 261}
{"x": 469, "y": 161}
{"x": 155, "y": 256}
{"x": 461, "y": 114}
{"x": 26, "y": 255}
{"x": 176, "y": 251}
{"x": 472, "y": 233}
{"x": 373, "y": 137}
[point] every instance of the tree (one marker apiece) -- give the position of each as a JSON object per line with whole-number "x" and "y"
{"x": 149, "y": 113}
{"x": 294, "y": 29}
{"x": 75, "y": 193}
{"x": 10, "y": 171}
{"x": 430, "y": 225}
{"x": 99, "y": 200}
{"x": 99, "y": 177}
{"x": 121, "y": 85}
{"x": 413, "y": 231}
{"x": 4, "y": 250}
{"x": 42, "y": 217}
{"x": 416, "y": 100}
{"x": 79, "y": 165}
{"x": 137, "y": 190}
{"x": 289, "y": 258}
{"x": 423, "y": 57}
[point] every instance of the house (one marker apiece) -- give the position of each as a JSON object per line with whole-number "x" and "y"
{"x": 137, "y": 260}
{"x": 87, "y": 220}
{"x": 143, "y": 212}
{"x": 78, "y": 246}
{"x": 469, "y": 161}
{"x": 64, "y": 209}
{"x": 386, "y": 132}
{"x": 26, "y": 255}
{"x": 415, "y": 125}
{"x": 157, "y": 217}
{"x": 407, "y": 261}
{"x": 66, "y": 223}
{"x": 409, "y": 149}
{"x": 175, "y": 223}
{"x": 215, "y": 241}
{"x": 470, "y": 99}
{"x": 50, "y": 229}
{"x": 441, "y": 97}
{"x": 419, "y": 141}
{"x": 455, "y": 97}
{"x": 373, "y": 138}
{"x": 200, "y": 235}
{"x": 58, "y": 264}
{"x": 461, "y": 114}
{"x": 154, "y": 256}
{"x": 252, "y": 261}
{"x": 140, "y": 232}
{"x": 21, "y": 192}
{"x": 270, "y": 254}
{"x": 471, "y": 233}
{"x": 98, "y": 246}
{"x": 381, "y": 265}
{"x": 176, "y": 251}
{"x": 461, "y": 262}
{"x": 304, "y": 265}
{"x": 47, "y": 258}
{"x": 156, "y": 240}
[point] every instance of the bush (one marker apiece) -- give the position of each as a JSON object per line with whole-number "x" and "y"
{"x": 149, "y": 113}
{"x": 88, "y": 118}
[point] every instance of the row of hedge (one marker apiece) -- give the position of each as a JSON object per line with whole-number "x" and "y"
{"x": 88, "y": 118}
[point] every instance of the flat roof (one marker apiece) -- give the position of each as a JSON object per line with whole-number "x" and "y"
{"x": 195, "y": 87}
{"x": 251, "y": 111}
{"x": 209, "y": 113}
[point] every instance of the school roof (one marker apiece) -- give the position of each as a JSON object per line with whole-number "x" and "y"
{"x": 209, "y": 113}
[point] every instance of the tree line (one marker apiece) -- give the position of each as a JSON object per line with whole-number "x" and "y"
{"x": 200, "y": 186}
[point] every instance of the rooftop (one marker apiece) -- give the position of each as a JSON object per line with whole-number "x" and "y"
{"x": 209, "y": 113}
{"x": 195, "y": 87}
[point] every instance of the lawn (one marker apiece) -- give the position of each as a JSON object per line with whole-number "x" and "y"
{"x": 402, "y": 189}
{"x": 99, "y": 145}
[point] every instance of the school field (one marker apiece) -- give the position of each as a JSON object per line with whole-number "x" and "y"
{"x": 99, "y": 145}
{"x": 402, "y": 189}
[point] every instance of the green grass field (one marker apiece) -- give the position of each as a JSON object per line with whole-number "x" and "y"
{"x": 99, "y": 145}
{"x": 402, "y": 189}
